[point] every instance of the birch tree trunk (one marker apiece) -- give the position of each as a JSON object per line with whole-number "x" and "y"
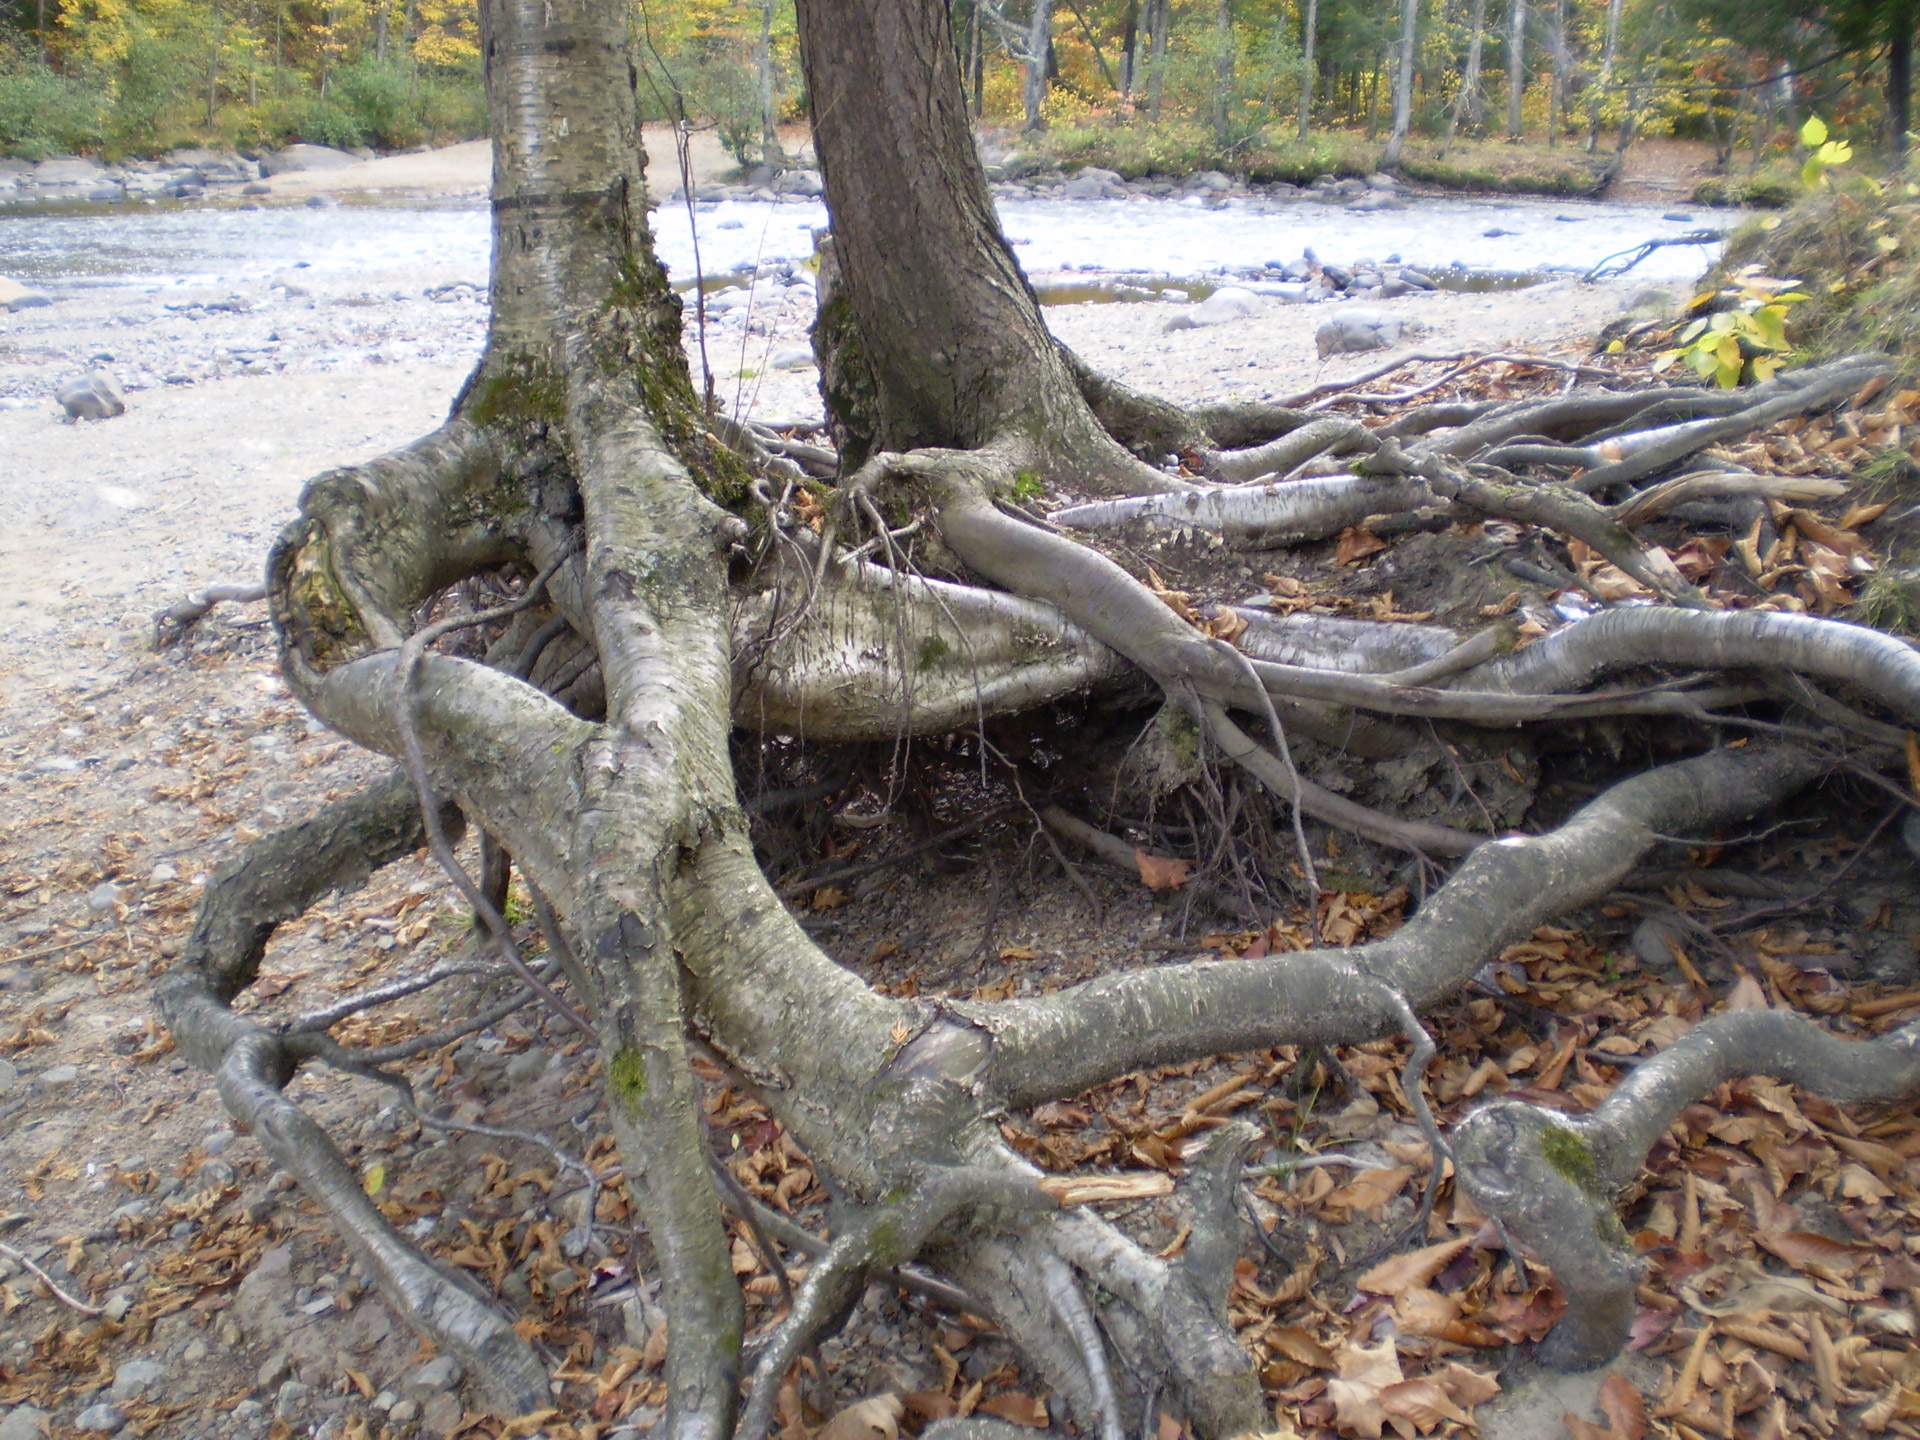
{"x": 1468, "y": 101}
{"x": 1608, "y": 56}
{"x": 1562, "y": 72}
{"x": 1402, "y": 84}
{"x": 1039, "y": 45}
{"x": 1309, "y": 35}
{"x": 1223, "y": 65}
{"x": 1516, "y": 67}
{"x": 770, "y": 152}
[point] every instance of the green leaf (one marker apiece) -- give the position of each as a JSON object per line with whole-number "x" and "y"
{"x": 1814, "y": 132}
{"x": 1836, "y": 152}
{"x": 1811, "y": 171}
{"x": 1693, "y": 329}
{"x": 1724, "y": 322}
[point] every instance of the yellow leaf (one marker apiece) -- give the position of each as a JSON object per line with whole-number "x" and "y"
{"x": 376, "y": 1179}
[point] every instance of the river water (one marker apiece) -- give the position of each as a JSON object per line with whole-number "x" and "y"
{"x": 223, "y": 245}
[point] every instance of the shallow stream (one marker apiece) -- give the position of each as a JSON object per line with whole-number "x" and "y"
{"x": 1477, "y": 240}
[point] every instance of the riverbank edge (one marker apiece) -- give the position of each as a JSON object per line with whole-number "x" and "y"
{"x": 1145, "y": 154}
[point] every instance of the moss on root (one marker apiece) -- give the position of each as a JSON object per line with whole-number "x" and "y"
{"x": 627, "y": 1079}
{"x": 1570, "y": 1156}
{"x": 522, "y": 391}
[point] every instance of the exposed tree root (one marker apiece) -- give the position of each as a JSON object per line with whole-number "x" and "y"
{"x": 275, "y": 881}
{"x": 1552, "y": 1178}
{"x": 692, "y": 577}
{"x": 171, "y": 625}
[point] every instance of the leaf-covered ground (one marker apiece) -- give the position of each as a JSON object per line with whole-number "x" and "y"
{"x": 1776, "y": 1227}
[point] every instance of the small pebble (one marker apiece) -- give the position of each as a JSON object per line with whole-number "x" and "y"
{"x": 103, "y": 897}
{"x": 103, "y": 1417}
{"x": 133, "y": 1377}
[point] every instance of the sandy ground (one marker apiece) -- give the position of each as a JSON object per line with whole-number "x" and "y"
{"x": 467, "y": 170}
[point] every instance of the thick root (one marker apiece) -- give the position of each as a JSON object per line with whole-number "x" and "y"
{"x": 1551, "y": 1179}
{"x": 272, "y": 883}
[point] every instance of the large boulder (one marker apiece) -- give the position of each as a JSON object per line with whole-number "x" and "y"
{"x": 1352, "y": 331}
{"x": 215, "y": 168}
{"x": 69, "y": 170}
{"x": 1093, "y": 183}
{"x": 798, "y": 182}
{"x": 1229, "y": 302}
{"x": 15, "y": 296}
{"x": 306, "y": 157}
{"x": 95, "y": 396}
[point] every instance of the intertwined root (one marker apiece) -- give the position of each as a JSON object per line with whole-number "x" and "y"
{"x": 589, "y": 740}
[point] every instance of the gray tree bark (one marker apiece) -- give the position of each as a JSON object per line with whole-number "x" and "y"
{"x": 1516, "y": 66}
{"x": 1309, "y": 35}
{"x": 1402, "y": 84}
{"x": 579, "y": 453}
{"x": 1223, "y": 70}
{"x": 1469, "y": 102}
{"x": 770, "y": 152}
{"x": 1039, "y": 46}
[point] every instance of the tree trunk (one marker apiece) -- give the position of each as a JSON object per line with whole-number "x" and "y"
{"x": 1608, "y": 55}
{"x": 213, "y": 67}
{"x": 1562, "y": 72}
{"x": 1129, "y": 51}
{"x": 1402, "y": 84}
{"x": 770, "y": 153}
{"x": 1380, "y": 65}
{"x": 1516, "y": 67}
{"x": 1900, "y": 74}
{"x": 949, "y": 332}
{"x": 1223, "y": 71}
{"x": 1309, "y": 34}
{"x": 1468, "y": 101}
{"x": 977, "y": 62}
{"x": 1162, "y": 13}
{"x": 1039, "y": 56}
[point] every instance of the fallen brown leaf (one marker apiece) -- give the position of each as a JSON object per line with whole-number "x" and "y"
{"x": 1162, "y": 872}
{"x": 875, "y": 1418}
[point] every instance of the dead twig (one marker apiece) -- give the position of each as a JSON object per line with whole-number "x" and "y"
{"x": 71, "y": 1302}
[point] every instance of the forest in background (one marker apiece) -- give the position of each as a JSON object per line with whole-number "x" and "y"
{"x": 1274, "y": 88}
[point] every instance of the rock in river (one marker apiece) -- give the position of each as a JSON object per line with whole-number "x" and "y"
{"x": 94, "y": 396}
